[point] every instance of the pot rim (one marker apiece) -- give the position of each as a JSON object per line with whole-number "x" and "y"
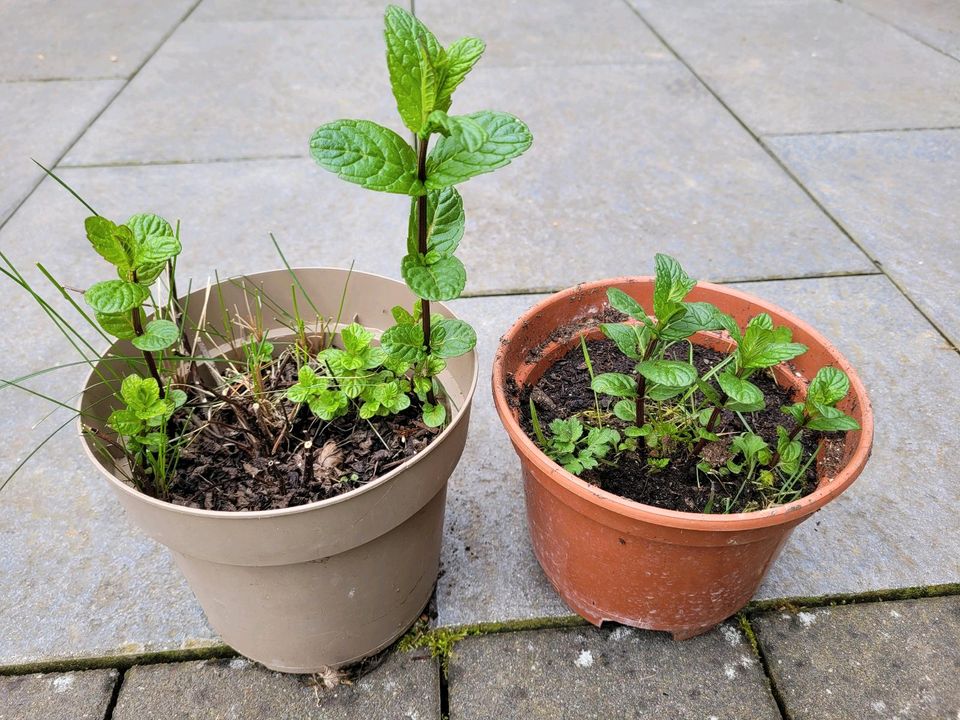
{"x": 308, "y": 507}
{"x": 631, "y": 509}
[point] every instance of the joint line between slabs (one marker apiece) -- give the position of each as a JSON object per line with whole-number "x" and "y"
{"x": 759, "y": 140}
{"x": 163, "y": 40}
{"x": 115, "y": 694}
{"x": 754, "y": 641}
{"x": 902, "y": 30}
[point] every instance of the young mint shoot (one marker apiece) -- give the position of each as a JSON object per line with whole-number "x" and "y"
{"x": 666, "y": 414}
{"x": 423, "y": 76}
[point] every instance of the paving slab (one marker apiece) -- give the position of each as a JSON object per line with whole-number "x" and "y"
{"x": 83, "y": 38}
{"x": 599, "y": 674}
{"x": 289, "y": 9}
{"x": 935, "y": 22}
{"x": 810, "y": 65}
{"x": 404, "y": 687}
{"x": 882, "y": 660}
{"x": 244, "y": 89}
{"x": 41, "y": 120}
{"x": 57, "y": 696}
{"x": 896, "y": 526}
{"x": 546, "y": 32}
{"x": 893, "y": 192}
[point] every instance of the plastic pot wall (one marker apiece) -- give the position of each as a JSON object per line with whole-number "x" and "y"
{"x": 323, "y": 584}
{"x": 613, "y": 559}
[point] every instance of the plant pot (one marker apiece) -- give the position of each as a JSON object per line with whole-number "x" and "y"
{"x": 327, "y": 583}
{"x": 610, "y": 558}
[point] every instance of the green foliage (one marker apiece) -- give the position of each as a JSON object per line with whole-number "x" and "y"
{"x": 666, "y": 412}
{"x": 423, "y": 75}
{"x": 570, "y": 444}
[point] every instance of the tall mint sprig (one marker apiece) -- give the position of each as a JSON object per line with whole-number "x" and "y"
{"x": 423, "y": 76}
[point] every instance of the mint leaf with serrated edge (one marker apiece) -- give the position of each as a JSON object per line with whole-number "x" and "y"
{"x": 367, "y": 154}
{"x": 450, "y": 162}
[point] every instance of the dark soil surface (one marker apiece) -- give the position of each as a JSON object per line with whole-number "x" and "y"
{"x": 564, "y": 390}
{"x": 269, "y": 455}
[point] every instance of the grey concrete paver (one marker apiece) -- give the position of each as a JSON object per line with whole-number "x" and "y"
{"x": 936, "y": 22}
{"x": 41, "y": 120}
{"x": 585, "y": 673}
{"x": 405, "y": 687}
{"x": 893, "y": 528}
{"x": 882, "y": 660}
{"x": 244, "y": 89}
{"x": 82, "y": 38}
{"x": 289, "y": 9}
{"x": 57, "y": 696}
{"x": 546, "y": 32}
{"x": 811, "y": 65}
{"x": 895, "y": 193}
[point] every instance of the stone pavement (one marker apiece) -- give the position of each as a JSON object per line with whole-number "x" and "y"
{"x": 807, "y": 150}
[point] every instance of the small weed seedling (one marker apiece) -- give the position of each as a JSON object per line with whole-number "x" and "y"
{"x": 423, "y": 76}
{"x": 669, "y": 414}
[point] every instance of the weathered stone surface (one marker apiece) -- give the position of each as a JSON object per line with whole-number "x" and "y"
{"x": 546, "y": 32}
{"x": 882, "y": 660}
{"x": 41, "y": 120}
{"x": 57, "y": 696}
{"x": 600, "y": 674}
{"x": 893, "y": 528}
{"x": 82, "y": 38}
{"x": 810, "y": 66}
{"x": 894, "y": 193}
{"x": 489, "y": 572}
{"x": 244, "y": 89}
{"x": 403, "y": 687}
{"x": 289, "y": 9}
{"x": 936, "y": 22}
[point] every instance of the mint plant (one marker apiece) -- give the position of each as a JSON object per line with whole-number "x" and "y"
{"x": 423, "y": 76}
{"x": 666, "y": 414}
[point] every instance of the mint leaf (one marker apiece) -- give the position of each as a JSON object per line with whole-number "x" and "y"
{"x": 626, "y": 410}
{"x": 695, "y": 317}
{"x": 671, "y": 286}
{"x": 841, "y": 421}
{"x": 450, "y": 338}
{"x": 405, "y": 342}
{"x": 114, "y": 243}
{"x": 626, "y": 337}
{"x": 157, "y": 335}
{"x": 445, "y": 222}
{"x": 434, "y": 415}
{"x": 461, "y": 57}
{"x": 356, "y": 338}
{"x": 413, "y": 57}
{"x": 468, "y": 131}
{"x": 450, "y": 161}
{"x": 628, "y": 306}
{"x": 119, "y": 325}
{"x": 440, "y": 280}
{"x": 155, "y": 250}
{"x": 672, "y": 373}
{"x": 828, "y": 387}
{"x": 744, "y": 395}
{"x": 615, "y": 384}
{"x": 115, "y": 296}
{"x": 147, "y": 225}
{"x": 370, "y": 155}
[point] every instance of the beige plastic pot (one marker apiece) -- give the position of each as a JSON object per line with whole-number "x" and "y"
{"x": 614, "y": 559}
{"x": 324, "y": 584}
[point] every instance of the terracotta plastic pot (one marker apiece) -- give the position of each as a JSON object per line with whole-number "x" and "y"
{"x": 323, "y": 584}
{"x": 610, "y": 558}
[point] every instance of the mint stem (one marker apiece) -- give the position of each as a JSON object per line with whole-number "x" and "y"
{"x": 148, "y": 356}
{"x": 422, "y": 247}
